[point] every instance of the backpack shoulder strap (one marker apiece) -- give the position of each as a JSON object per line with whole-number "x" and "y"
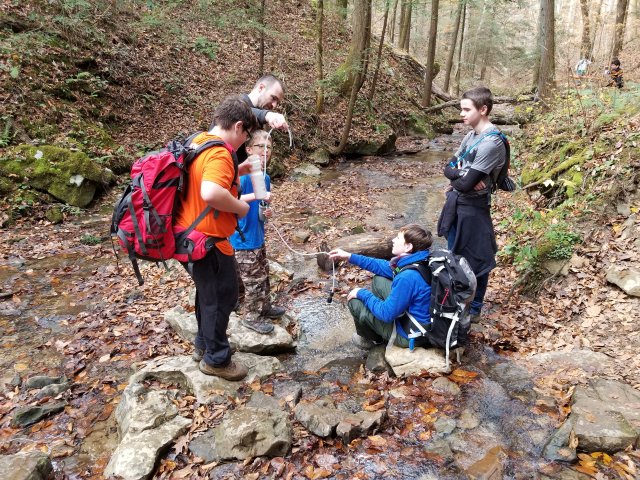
{"x": 423, "y": 269}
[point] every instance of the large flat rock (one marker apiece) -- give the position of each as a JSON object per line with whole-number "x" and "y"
{"x": 184, "y": 371}
{"x": 406, "y": 362}
{"x": 625, "y": 277}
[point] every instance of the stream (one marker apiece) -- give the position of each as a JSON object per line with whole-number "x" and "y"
{"x": 38, "y": 302}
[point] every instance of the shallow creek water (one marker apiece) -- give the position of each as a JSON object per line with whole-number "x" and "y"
{"x": 500, "y": 405}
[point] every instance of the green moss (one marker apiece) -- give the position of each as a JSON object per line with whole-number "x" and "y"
{"x": 419, "y": 125}
{"x": 68, "y": 175}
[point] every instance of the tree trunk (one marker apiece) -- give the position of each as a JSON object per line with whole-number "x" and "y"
{"x": 341, "y": 6}
{"x": 356, "y": 61}
{"x": 431, "y": 53}
{"x": 547, "y": 69}
{"x": 384, "y": 30}
{"x": 452, "y": 48}
{"x": 376, "y": 245}
{"x": 392, "y": 25}
{"x": 319, "y": 75}
{"x": 405, "y": 25}
{"x": 262, "y": 29}
{"x": 459, "y": 62}
{"x": 621, "y": 20}
{"x": 477, "y": 42}
{"x": 586, "y": 45}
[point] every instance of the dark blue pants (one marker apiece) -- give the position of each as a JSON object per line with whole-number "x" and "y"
{"x": 216, "y": 283}
{"x": 482, "y": 280}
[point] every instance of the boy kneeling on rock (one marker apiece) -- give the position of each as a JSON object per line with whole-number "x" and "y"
{"x": 395, "y": 293}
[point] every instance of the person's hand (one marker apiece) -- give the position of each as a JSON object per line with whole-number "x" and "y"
{"x": 480, "y": 186}
{"x": 277, "y": 121}
{"x": 268, "y": 197}
{"x": 339, "y": 254}
{"x": 268, "y": 212}
{"x": 446, "y": 190}
{"x": 353, "y": 294}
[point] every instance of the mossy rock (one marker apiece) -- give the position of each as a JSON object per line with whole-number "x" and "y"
{"x": 54, "y": 214}
{"x": 321, "y": 157}
{"x": 378, "y": 144}
{"x": 69, "y": 176}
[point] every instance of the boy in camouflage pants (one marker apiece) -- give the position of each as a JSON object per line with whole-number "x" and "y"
{"x": 251, "y": 254}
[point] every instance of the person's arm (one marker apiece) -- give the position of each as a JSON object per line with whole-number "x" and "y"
{"x": 451, "y": 172}
{"x": 273, "y": 119}
{"x": 469, "y": 181}
{"x": 220, "y": 198}
{"x": 395, "y": 304}
{"x": 377, "y": 266}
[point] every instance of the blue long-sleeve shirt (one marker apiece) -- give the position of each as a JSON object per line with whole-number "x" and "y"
{"x": 409, "y": 291}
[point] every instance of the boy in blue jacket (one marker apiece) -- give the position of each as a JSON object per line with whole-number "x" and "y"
{"x": 394, "y": 293}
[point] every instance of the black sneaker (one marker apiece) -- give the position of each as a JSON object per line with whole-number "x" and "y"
{"x": 258, "y": 325}
{"x": 274, "y": 312}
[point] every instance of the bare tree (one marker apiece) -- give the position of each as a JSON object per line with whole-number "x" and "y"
{"x": 431, "y": 54}
{"x": 452, "y": 47}
{"x": 356, "y": 64}
{"x": 622, "y": 8}
{"x": 586, "y": 45}
{"x": 319, "y": 74}
{"x": 392, "y": 25}
{"x": 342, "y": 8}
{"x": 459, "y": 61}
{"x": 358, "y": 54}
{"x": 405, "y": 25}
{"x": 262, "y": 28}
{"x": 547, "y": 68}
{"x": 384, "y": 30}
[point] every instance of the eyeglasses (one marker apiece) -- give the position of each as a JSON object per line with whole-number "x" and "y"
{"x": 262, "y": 146}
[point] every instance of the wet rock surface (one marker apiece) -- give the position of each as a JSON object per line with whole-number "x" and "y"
{"x": 34, "y": 465}
{"x": 25, "y": 416}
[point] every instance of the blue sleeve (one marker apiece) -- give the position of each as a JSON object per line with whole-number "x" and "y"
{"x": 377, "y": 266}
{"x": 395, "y": 304}
{"x": 267, "y": 180}
{"x": 245, "y": 185}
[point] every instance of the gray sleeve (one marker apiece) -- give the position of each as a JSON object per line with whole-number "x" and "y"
{"x": 490, "y": 155}
{"x": 260, "y": 115}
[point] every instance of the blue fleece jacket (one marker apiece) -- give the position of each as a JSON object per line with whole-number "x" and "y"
{"x": 409, "y": 291}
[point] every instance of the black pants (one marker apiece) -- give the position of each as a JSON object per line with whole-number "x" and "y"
{"x": 216, "y": 283}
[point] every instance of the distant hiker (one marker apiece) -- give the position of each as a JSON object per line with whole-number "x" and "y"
{"x": 582, "y": 66}
{"x": 615, "y": 73}
{"x": 394, "y": 293}
{"x": 251, "y": 253}
{"x": 213, "y": 181}
{"x": 266, "y": 95}
{"x": 466, "y": 217}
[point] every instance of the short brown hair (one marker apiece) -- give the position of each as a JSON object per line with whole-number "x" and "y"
{"x": 417, "y": 236}
{"x": 234, "y": 109}
{"x": 480, "y": 96}
{"x": 268, "y": 81}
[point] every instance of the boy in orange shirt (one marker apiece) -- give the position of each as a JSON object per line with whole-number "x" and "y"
{"x": 212, "y": 181}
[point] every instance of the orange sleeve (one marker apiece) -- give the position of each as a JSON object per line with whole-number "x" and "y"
{"x": 218, "y": 167}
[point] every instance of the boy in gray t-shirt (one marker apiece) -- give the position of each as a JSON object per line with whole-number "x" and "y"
{"x": 466, "y": 218}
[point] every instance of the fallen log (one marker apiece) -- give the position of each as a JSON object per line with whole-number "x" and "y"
{"x": 377, "y": 245}
{"x": 496, "y": 100}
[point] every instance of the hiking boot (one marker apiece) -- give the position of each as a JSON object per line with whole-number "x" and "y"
{"x": 232, "y": 372}
{"x": 475, "y": 317}
{"x": 274, "y": 312}
{"x": 197, "y": 354}
{"x": 363, "y": 343}
{"x": 258, "y": 325}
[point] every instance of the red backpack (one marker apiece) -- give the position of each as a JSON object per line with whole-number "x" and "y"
{"x": 143, "y": 218}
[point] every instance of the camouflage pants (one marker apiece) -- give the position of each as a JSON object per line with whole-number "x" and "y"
{"x": 253, "y": 278}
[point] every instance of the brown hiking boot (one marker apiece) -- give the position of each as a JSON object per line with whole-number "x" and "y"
{"x": 233, "y": 371}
